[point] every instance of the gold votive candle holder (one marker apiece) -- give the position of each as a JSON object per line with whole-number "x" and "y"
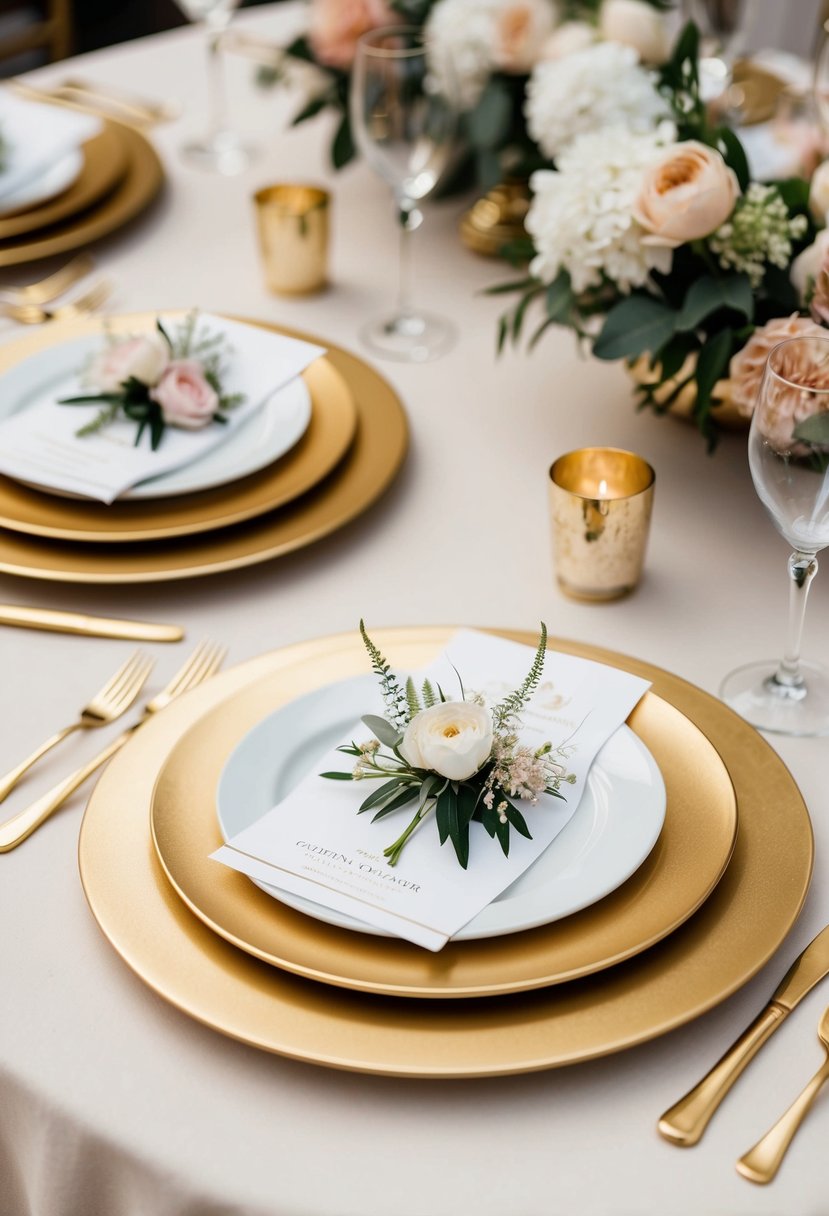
{"x": 293, "y": 226}
{"x": 600, "y": 508}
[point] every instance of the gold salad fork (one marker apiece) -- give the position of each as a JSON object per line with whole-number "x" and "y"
{"x": 203, "y": 663}
{"x": 52, "y": 286}
{"x": 761, "y": 1163}
{"x": 114, "y": 699}
{"x": 81, "y": 306}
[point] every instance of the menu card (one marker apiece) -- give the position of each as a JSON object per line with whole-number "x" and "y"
{"x": 314, "y": 843}
{"x": 40, "y": 443}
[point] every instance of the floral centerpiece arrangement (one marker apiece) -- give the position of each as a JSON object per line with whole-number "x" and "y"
{"x": 485, "y": 50}
{"x": 170, "y": 378}
{"x": 650, "y": 240}
{"x": 461, "y": 759}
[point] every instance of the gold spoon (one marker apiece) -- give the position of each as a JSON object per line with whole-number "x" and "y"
{"x": 761, "y": 1163}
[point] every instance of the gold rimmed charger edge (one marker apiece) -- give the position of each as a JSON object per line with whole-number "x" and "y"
{"x": 35, "y": 512}
{"x": 364, "y": 474}
{"x": 104, "y": 165}
{"x": 138, "y": 187}
{"x": 733, "y": 935}
{"x": 684, "y": 867}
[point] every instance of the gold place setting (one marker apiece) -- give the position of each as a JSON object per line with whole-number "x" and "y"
{"x": 412, "y": 784}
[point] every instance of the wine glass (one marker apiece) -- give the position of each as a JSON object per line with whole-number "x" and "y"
{"x": 404, "y": 116}
{"x": 788, "y": 449}
{"x": 221, "y": 150}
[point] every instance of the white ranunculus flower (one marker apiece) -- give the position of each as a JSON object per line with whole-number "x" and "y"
{"x": 453, "y": 739}
{"x": 591, "y": 90}
{"x": 638, "y": 24}
{"x": 819, "y": 193}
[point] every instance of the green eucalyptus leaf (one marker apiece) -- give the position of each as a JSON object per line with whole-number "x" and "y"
{"x": 343, "y": 149}
{"x": 337, "y": 776}
{"x": 707, "y": 295}
{"x": 559, "y": 298}
{"x": 380, "y": 794}
{"x": 488, "y": 124}
{"x": 407, "y": 795}
{"x": 635, "y": 326}
{"x": 813, "y": 430}
{"x": 712, "y": 364}
{"x": 382, "y": 730}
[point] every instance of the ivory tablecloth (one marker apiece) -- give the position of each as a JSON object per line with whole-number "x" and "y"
{"x": 111, "y": 1102}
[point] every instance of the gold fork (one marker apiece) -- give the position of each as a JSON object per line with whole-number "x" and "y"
{"x": 81, "y": 306}
{"x": 52, "y": 286}
{"x": 761, "y": 1163}
{"x": 114, "y": 699}
{"x": 203, "y": 663}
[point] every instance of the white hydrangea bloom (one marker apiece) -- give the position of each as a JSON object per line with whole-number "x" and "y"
{"x": 581, "y": 215}
{"x": 601, "y": 86}
{"x": 461, "y": 34}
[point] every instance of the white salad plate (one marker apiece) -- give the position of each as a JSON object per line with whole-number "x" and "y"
{"x": 54, "y": 180}
{"x": 265, "y": 436}
{"x": 615, "y": 827}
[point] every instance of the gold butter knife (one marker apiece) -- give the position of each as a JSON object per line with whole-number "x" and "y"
{"x": 685, "y": 1122}
{"x": 88, "y": 626}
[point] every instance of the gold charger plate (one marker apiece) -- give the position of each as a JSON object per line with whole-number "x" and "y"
{"x": 135, "y": 191}
{"x": 105, "y": 163}
{"x": 732, "y": 936}
{"x": 366, "y": 471}
{"x": 325, "y": 442}
{"x": 683, "y": 868}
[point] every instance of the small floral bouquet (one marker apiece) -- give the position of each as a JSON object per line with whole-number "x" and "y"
{"x": 652, "y": 242}
{"x": 482, "y": 51}
{"x": 170, "y": 378}
{"x": 458, "y": 758}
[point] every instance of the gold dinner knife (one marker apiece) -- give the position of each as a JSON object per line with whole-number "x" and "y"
{"x": 89, "y": 626}
{"x": 685, "y": 1122}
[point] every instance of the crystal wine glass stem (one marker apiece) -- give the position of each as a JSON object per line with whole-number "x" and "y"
{"x": 216, "y": 98}
{"x": 802, "y": 569}
{"x": 409, "y": 218}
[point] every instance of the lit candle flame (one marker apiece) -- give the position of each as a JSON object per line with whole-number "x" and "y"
{"x": 602, "y": 488}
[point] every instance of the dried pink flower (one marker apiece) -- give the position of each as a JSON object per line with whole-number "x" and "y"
{"x": 748, "y": 365}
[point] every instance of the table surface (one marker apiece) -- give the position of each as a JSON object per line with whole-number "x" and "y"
{"x": 110, "y": 1096}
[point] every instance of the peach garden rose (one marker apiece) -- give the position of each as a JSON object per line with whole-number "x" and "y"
{"x": 336, "y": 26}
{"x": 685, "y": 195}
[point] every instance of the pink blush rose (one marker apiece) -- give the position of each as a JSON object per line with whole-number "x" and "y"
{"x": 337, "y": 25}
{"x": 185, "y": 397}
{"x": 145, "y": 359}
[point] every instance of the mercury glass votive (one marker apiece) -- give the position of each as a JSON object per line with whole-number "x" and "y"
{"x": 600, "y": 508}
{"x": 293, "y": 237}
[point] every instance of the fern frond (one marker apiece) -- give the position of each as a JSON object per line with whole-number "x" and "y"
{"x": 429, "y": 695}
{"x": 394, "y": 698}
{"x": 412, "y": 699}
{"x": 511, "y": 706}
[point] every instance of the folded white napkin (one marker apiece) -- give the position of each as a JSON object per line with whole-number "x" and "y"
{"x": 314, "y": 843}
{"x": 39, "y": 444}
{"x": 35, "y": 136}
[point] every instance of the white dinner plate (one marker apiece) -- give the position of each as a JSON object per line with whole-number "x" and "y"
{"x": 616, "y": 825}
{"x": 262, "y": 438}
{"x": 47, "y": 185}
